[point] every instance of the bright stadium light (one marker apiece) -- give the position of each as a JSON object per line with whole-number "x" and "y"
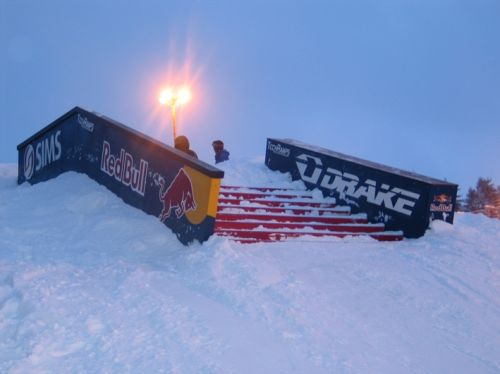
{"x": 165, "y": 96}
{"x": 174, "y": 98}
{"x": 184, "y": 95}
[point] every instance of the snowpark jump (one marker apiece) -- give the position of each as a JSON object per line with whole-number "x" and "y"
{"x": 357, "y": 197}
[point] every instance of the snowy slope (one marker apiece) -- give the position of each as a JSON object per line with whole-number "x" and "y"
{"x": 89, "y": 284}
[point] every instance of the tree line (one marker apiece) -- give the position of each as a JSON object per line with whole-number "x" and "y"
{"x": 484, "y": 198}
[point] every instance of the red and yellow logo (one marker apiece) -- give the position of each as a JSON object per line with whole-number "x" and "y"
{"x": 190, "y": 193}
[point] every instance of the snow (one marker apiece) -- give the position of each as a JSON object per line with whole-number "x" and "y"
{"x": 89, "y": 284}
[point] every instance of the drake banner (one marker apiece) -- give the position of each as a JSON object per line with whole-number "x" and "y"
{"x": 400, "y": 199}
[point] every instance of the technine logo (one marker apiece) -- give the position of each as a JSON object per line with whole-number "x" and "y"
{"x": 278, "y": 149}
{"x": 346, "y": 184}
{"x": 44, "y": 153}
{"x": 85, "y": 123}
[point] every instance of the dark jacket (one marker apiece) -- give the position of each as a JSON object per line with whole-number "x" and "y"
{"x": 221, "y": 156}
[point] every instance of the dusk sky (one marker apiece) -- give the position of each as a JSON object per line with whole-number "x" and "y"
{"x": 410, "y": 84}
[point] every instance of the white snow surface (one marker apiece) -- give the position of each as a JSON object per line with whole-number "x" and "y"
{"x": 89, "y": 284}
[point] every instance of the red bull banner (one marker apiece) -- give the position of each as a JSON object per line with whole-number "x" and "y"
{"x": 400, "y": 199}
{"x": 180, "y": 191}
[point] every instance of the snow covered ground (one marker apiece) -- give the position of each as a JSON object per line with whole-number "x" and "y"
{"x": 89, "y": 284}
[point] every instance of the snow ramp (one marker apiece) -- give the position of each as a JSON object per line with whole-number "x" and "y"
{"x": 186, "y": 195}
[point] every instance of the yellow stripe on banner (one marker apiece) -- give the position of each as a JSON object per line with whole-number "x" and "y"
{"x": 206, "y": 195}
{"x": 213, "y": 199}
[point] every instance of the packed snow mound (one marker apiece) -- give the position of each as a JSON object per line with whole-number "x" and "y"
{"x": 90, "y": 284}
{"x": 254, "y": 173}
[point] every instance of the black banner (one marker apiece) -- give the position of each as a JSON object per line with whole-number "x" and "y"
{"x": 160, "y": 180}
{"x": 401, "y": 200}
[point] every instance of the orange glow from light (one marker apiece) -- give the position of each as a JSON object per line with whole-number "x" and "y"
{"x": 175, "y": 97}
{"x": 166, "y": 96}
{"x": 164, "y": 82}
{"x": 184, "y": 95}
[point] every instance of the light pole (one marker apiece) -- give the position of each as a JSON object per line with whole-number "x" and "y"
{"x": 173, "y": 98}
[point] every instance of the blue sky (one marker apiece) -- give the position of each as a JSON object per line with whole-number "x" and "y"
{"x": 411, "y": 84}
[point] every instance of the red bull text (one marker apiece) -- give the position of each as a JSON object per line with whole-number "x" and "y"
{"x": 123, "y": 169}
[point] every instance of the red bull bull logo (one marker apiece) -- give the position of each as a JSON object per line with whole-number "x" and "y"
{"x": 178, "y": 195}
{"x": 442, "y": 199}
{"x": 442, "y": 203}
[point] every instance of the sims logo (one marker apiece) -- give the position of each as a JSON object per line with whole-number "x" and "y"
{"x": 43, "y": 154}
{"x": 29, "y": 162}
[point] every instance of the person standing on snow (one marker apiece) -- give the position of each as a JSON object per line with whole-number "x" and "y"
{"x": 182, "y": 144}
{"x": 221, "y": 154}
